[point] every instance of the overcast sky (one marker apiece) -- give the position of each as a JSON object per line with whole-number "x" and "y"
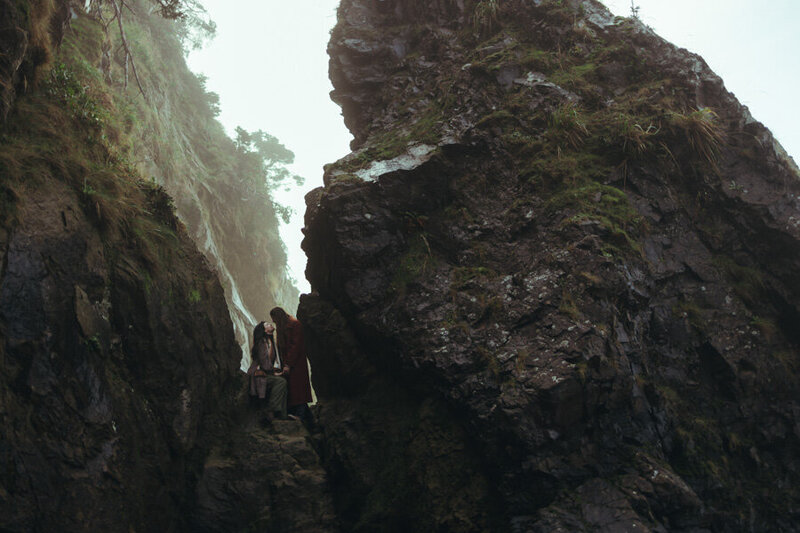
{"x": 752, "y": 44}
{"x": 269, "y": 65}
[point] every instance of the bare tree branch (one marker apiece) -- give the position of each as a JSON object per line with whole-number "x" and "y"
{"x": 128, "y": 54}
{"x": 129, "y": 8}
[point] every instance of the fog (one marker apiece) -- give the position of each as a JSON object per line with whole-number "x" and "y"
{"x": 269, "y": 65}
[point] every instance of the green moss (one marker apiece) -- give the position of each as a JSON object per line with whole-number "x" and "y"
{"x": 505, "y": 56}
{"x": 558, "y": 12}
{"x": 569, "y": 306}
{"x": 156, "y": 243}
{"x": 692, "y": 312}
{"x": 642, "y": 122}
{"x": 387, "y": 146}
{"x": 668, "y": 394}
{"x": 567, "y": 126}
{"x": 538, "y": 60}
{"x": 346, "y": 178}
{"x": 194, "y": 296}
{"x": 517, "y": 52}
{"x": 93, "y": 343}
{"x": 766, "y": 326}
{"x": 748, "y": 282}
{"x": 458, "y": 213}
{"x": 596, "y": 198}
{"x": 463, "y": 275}
{"x": 393, "y": 143}
{"x": 701, "y": 449}
{"x": 521, "y": 142}
{"x": 73, "y": 89}
{"x": 488, "y": 360}
{"x": 412, "y": 265}
{"x": 425, "y": 130}
{"x": 88, "y": 47}
{"x": 604, "y": 205}
{"x": 60, "y": 131}
{"x": 23, "y": 8}
{"x": 575, "y": 76}
{"x": 499, "y": 118}
{"x": 635, "y": 137}
{"x": 549, "y": 172}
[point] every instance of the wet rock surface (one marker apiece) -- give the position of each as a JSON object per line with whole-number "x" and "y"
{"x": 108, "y": 389}
{"x": 591, "y": 283}
{"x": 120, "y": 396}
{"x": 264, "y": 477}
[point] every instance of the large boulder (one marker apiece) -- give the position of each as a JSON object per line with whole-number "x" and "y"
{"x": 590, "y": 278}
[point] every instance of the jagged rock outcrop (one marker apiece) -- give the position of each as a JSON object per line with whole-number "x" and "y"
{"x": 555, "y": 286}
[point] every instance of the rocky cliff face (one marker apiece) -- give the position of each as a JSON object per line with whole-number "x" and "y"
{"x": 28, "y": 35}
{"x": 170, "y": 133}
{"x": 107, "y": 381}
{"x": 555, "y": 286}
{"x": 121, "y": 401}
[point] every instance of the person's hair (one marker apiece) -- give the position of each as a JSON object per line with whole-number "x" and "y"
{"x": 258, "y": 334}
{"x": 279, "y": 316}
{"x": 270, "y": 339}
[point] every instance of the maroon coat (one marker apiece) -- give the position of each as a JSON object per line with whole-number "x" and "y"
{"x": 294, "y": 355}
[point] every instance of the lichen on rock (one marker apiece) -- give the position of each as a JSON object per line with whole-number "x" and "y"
{"x": 594, "y": 278}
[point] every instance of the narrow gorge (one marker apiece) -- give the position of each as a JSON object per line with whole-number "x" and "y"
{"x": 137, "y": 244}
{"x": 554, "y": 287}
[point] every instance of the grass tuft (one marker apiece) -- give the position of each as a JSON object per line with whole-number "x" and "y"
{"x": 566, "y": 126}
{"x": 703, "y": 132}
{"x": 484, "y": 17}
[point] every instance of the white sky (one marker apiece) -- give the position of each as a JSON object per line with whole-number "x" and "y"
{"x": 269, "y": 65}
{"x": 752, "y": 44}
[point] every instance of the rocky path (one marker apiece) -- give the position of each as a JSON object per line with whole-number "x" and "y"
{"x": 266, "y": 477}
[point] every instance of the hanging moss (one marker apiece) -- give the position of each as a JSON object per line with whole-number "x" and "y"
{"x": 413, "y": 264}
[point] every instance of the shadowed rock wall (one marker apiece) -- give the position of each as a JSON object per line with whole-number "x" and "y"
{"x": 561, "y": 246}
{"x": 109, "y": 372}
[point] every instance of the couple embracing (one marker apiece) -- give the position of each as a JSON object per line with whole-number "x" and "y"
{"x": 279, "y": 370}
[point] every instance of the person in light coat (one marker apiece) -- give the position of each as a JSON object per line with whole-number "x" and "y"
{"x": 266, "y": 372}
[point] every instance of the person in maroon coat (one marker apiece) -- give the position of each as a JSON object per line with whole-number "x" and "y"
{"x": 293, "y": 349}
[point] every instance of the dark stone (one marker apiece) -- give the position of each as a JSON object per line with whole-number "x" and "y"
{"x": 611, "y": 370}
{"x": 123, "y": 406}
